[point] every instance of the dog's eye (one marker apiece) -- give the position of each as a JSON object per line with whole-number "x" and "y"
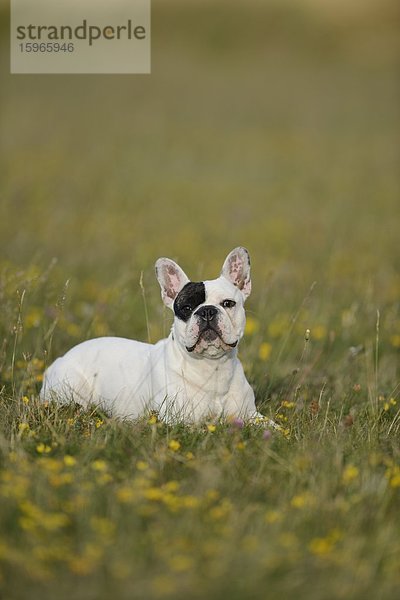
{"x": 187, "y": 309}
{"x": 228, "y": 303}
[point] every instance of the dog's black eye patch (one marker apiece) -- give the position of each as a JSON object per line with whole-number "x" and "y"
{"x": 189, "y": 298}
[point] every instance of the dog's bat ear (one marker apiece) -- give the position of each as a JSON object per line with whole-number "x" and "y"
{"x": 237, "y": 270}
{"x": 171, "y": 279}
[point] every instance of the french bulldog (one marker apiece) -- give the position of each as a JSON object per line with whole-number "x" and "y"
{"x": 192, "y": 375}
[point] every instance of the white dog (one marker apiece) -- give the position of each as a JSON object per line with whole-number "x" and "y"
{"x": 192, "y": 375}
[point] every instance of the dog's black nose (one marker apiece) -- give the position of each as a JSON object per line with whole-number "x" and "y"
{"x": 207, "y": 313}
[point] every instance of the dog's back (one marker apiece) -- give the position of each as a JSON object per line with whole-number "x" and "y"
{"x": 107, "y": 371}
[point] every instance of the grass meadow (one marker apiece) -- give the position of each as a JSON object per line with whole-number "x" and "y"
{"x": 268, "y": 125}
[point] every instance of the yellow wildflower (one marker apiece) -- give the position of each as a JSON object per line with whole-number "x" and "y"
{"x": 171, "y": 486}
{"x": 252, "y": 326}
{"x": 395, "y": 340}
{"x": 43, "y": 448}
{"x": 387, "y": 405}
{"x": 264, "y": 351}
{"x": 190, "y": 501}
{"x": 349, "y": 474}
{"x": 320, "y": 546}
{"x": 99, "y": 465}
{"x": 69, "y": 461}
{"x": 393, "y": 475}
{"x": 212, "y": 495}
{"x": 287, "y": 404}
{"x": 299, "y": 501}
{"x": 73, "y": 329}
{"x": 141, "y": 465}
{"x": 273, "y": 516}
{"x": 174, "y": 445}
{"x": 58, "y": 480}
{"x": 221, "y": 511}
{"x": 153, "y": 493}
{"x": 125, "y": 494}
{"x": 80, "y": 565}
{"x": 52, "y": 465}
{"x": 319, "y": 332}
{"x": 395, "y": 481}
{"x": 33, "y": 318}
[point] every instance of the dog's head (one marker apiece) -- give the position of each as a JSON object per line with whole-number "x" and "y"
{"x": 209, "y": 315}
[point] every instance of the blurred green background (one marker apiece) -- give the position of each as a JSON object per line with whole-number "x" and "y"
{"x": 272, "y": 125}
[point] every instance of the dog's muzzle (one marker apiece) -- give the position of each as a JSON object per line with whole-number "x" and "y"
{"x": 208, "y": 326}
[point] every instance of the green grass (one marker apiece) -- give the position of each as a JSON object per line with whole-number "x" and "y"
{"x": 270, "y": 126}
